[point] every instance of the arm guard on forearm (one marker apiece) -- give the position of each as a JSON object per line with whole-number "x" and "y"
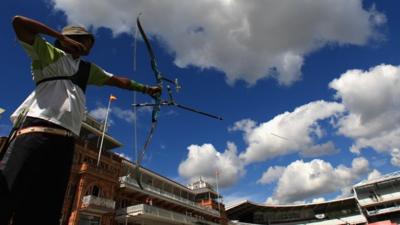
{"x": 136, "y": 86}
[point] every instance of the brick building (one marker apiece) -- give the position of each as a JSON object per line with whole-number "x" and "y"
{"x": 107, "y": 195}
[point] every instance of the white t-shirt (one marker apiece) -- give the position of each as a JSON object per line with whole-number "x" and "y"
{"x": 58, "y": 101}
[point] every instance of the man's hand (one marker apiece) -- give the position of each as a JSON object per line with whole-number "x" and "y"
{"x": 153, "y": 91}
{"x": 71, "y": 46}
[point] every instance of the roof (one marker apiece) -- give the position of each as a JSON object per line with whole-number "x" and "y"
{"x": 92, "y": 131}
{"x": 247, "y": 211}
{"x": 317, "y": 207}
{"x": 386, "y": 177}
{"x": 153, "y": 173}
{"x": 166, "y": 179}
{"x": 202, "y": 186}
{"x": 292, "y": 205}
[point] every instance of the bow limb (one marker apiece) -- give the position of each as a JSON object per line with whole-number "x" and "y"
{"x": 137, "y": 173}
{"x": 154, "y": 67}
{"x": 157, "y": 101}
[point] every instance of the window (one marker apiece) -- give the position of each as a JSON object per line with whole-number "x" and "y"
{"x": 88, "y": 220}
{"x": 95, "y": 191}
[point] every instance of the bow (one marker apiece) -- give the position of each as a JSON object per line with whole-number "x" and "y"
{"x": 158, "y": 101}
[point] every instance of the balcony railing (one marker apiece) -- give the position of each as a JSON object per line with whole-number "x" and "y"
{"x": 169, "y": 195}
{"x": 98, "y": 203}
{"x": 355, "y": 219}
{"x": 157, "y": 213}
{"x": 87, "y": 167}
{"x": 365, "y": 200}
{"x": 383, "y": 211}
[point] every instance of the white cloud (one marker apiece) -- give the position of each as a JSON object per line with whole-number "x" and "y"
{"x": 314, "y": 178}
{"x": 204, "y": 161}
{"x": 124, "y": 114}
{"x": 300, "y": 129}
{"x": 100, "y": 112}
{"x": 395, "y": 157}
{"x": 236, "y": 198}
{"x": 372, "y": 100}
{"x": 374, "y": 174}
{"x": 245, "y": 125}
{"x": 247, "y": 40}
{"x": 345, "y": 192}
{"x": 289, "y": 132}
{"x": 271, "y": 175}
{"x": 317, "y": 150}
{"x": 368, "y": 111}
{"x": 235, "y": 201}
{"x": 318, "y": 200}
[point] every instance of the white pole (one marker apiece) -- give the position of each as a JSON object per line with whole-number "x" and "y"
{"x": 104, "y": 131}
{"x": 135, "y": 130}
{"x": 134, "y": 98}
{"x": 219, "y": 205}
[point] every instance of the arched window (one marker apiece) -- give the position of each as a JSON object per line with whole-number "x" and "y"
{"x": 96, "y": 191}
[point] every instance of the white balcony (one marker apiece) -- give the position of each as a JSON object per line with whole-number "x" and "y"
{"x": 356, "y": 219}
{"x": 153, "y": 215}
{"x": 96, "y": 204}
{"x": 130, "y": 182}
{"x": 384, "y": 196}
{"x": 383, "y": 211}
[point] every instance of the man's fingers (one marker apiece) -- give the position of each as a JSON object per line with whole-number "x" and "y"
{"x": 155, "y": 91}
{"x": 79, "y": 46}
{"x": 73, "y": 46}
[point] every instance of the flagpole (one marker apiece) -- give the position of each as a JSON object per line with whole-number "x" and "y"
{"x": 104, "y": 130}
{"x": 219, "y": 204}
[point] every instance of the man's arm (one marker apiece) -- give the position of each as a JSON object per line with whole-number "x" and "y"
{"x": 26, "y": 29}
{"x": 125, "y": 83}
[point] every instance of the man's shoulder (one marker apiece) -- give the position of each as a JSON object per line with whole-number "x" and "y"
{"x": 42, "y": 50}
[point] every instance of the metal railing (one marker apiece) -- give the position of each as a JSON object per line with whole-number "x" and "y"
{"x": 375, "y": 212}
{"x": 88, "y": 167}
{"x": 160, "y": 213}
{"x": 381, "y": 197}
{"x": 90, "y": 200}
{"x": 169, "y": 195}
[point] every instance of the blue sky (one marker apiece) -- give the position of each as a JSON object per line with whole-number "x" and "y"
{"x": 308, "y": 90}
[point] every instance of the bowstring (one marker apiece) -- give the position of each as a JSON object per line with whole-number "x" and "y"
{"x": 134, "y": 97}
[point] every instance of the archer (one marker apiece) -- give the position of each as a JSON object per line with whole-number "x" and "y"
{"x": 52, "y": 116}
